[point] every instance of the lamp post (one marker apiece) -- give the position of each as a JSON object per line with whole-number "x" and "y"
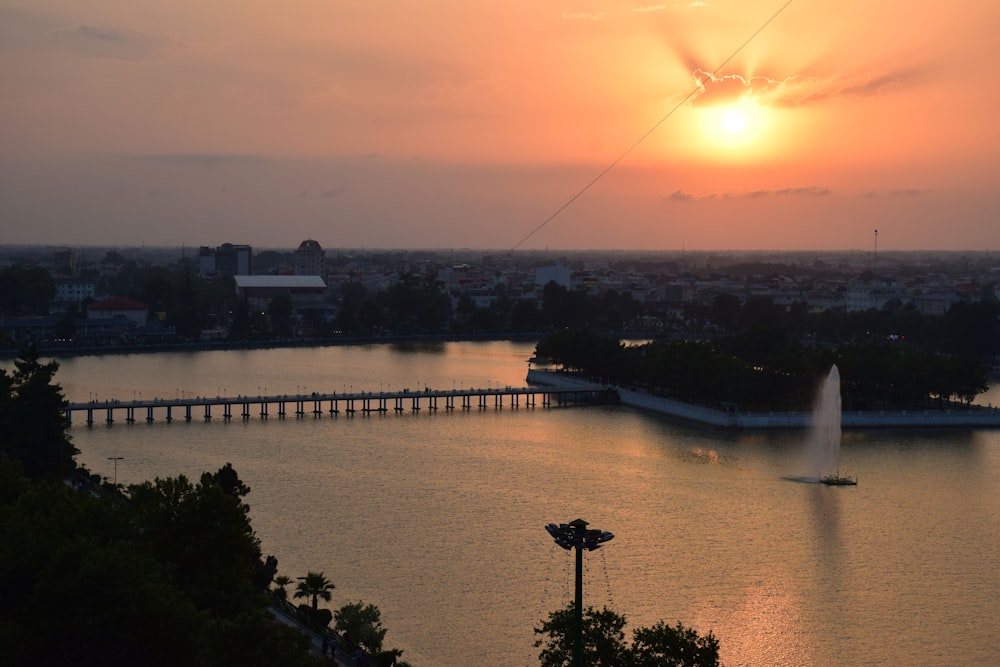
{"x": 116, "y": 459}
{"x": 574, "y": 535}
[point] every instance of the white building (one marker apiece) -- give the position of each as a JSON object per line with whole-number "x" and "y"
{"x": 558, "y": 273}
{"x": 309, "y": 259}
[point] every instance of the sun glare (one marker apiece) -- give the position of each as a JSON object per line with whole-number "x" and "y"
{"x": 734, "y": 121}
{"x": 734, "y": 132}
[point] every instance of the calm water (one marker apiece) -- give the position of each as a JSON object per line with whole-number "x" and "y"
{"x": 438, "y": 519}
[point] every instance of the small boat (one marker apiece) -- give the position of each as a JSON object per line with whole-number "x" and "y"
{"x": 839, "y": 480}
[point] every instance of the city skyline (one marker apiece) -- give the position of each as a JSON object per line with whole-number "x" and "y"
{"x": 430, "y": 125}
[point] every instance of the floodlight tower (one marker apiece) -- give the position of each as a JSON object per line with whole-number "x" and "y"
{"x": 574, "y": 535}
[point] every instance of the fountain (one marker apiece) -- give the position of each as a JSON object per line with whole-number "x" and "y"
{"x": 824, "y": 437}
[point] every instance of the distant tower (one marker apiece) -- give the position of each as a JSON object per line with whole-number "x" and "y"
{"x": 309, "y": 259}
{"x": 875, "y": 254}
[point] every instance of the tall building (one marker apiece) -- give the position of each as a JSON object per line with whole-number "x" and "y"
{"x": 309, "y": 259}
{"x": 226, "y": 260}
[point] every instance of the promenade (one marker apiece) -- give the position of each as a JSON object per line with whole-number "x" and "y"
{"x": 964, "y": 416}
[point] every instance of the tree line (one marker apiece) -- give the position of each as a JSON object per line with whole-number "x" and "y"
{"x": 765, "y": 370}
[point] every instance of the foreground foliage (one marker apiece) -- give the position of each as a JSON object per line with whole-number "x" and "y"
{"x": 604, "y": 642}
{"x": 33, "y": 424}
{"x": 172, "y": 575}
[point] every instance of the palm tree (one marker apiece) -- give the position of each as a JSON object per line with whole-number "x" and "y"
{"x": 281, "y": 582}
{"x": 315, "y": 586}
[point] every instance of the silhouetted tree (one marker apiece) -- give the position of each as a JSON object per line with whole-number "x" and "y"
{"x": 33, "y": 424}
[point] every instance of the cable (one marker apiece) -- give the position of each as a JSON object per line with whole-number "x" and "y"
{"x": 648, "y": 132}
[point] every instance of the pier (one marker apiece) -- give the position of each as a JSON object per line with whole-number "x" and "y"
{"x": 333, "y": 404}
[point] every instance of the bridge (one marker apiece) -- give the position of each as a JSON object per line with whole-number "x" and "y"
{"x": 318, "y": 404}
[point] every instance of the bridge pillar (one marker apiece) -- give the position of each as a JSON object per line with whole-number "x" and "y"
{"x": 111, "y": 417}
{"x": 149, "y": 414}
{"x": 208, "y": 412}
{"x": 334, "y": 407}
{"x": 170, "y": 416}
{"x": 281, "y": 409}
{"x": 90, "y": 416}
{"x": 187, "y": 412}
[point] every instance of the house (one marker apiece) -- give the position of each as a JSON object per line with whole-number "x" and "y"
{"x": 119, "y": 307}
{"x": 305, "y": 291}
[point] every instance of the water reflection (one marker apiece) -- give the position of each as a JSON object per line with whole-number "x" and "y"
{"x": 708, "y": 528}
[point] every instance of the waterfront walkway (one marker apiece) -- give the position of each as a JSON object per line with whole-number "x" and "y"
{"x": 956, "y": 416}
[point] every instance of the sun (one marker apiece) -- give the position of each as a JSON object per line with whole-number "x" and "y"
{"x": 740, "y": 130}
{"x": 734, "y": 121}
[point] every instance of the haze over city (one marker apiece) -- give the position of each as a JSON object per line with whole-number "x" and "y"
{"x": 441, "y": 125}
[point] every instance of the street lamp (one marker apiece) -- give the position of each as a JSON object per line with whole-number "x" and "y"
{"x": 574, "y": 535}
{"x": 116, "y": 459}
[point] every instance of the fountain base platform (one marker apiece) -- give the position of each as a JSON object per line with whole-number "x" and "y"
{"x": 838, "y": 480}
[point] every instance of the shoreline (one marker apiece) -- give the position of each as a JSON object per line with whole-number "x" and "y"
{"x": 209, "y": 346}
{"x": 971, "y": 416}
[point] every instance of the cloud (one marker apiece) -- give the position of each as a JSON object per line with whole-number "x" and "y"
{"x": 805, "y": 191}
{"x": 714, "y": 90}
{"x": 583, "y": 16}
{"x": 112, "y": 43}
{"x": 37, "y": 31}
{"x": 902, "y": 192}
{"x": 332, "y": 192}
{"x": 796, "y": 90}
{"x": 199, "y": 159}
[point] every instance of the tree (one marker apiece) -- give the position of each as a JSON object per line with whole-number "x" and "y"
{"x": 603, "y": 638}
{"x": 604, "y": 642}
{"x": 280, "y": 591}
{"x": 665, "y": 646}
{"x": 86, "y": 580}
{"x": 314, "y": 585}
{"x": 33, "y": 424}
{"x": 361, "y": 626}
{"x": 204, "y": 530}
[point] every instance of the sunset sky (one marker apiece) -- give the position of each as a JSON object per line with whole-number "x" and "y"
{"x": 444, "y": 124}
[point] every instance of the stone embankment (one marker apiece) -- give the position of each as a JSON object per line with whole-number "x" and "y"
{"x": 971, "y": 416}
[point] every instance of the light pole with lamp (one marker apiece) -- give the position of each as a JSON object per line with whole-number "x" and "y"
{"x": 116, "y": 459}
{"x": 574, "y": 535}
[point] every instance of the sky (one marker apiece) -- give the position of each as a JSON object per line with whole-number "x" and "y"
{"x": 705, "y": 125}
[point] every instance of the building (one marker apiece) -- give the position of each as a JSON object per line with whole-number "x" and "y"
{"x": 74, "y": 291}
{"x": 116, "y": 307}
{"x": 309, "y": 259}
{"x": 227, "y": 260}
{"x": 305, "y": 291}
{"x": 557, "y": 273}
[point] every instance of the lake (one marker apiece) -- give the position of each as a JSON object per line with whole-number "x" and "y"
{"x": 438, "y": 518}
